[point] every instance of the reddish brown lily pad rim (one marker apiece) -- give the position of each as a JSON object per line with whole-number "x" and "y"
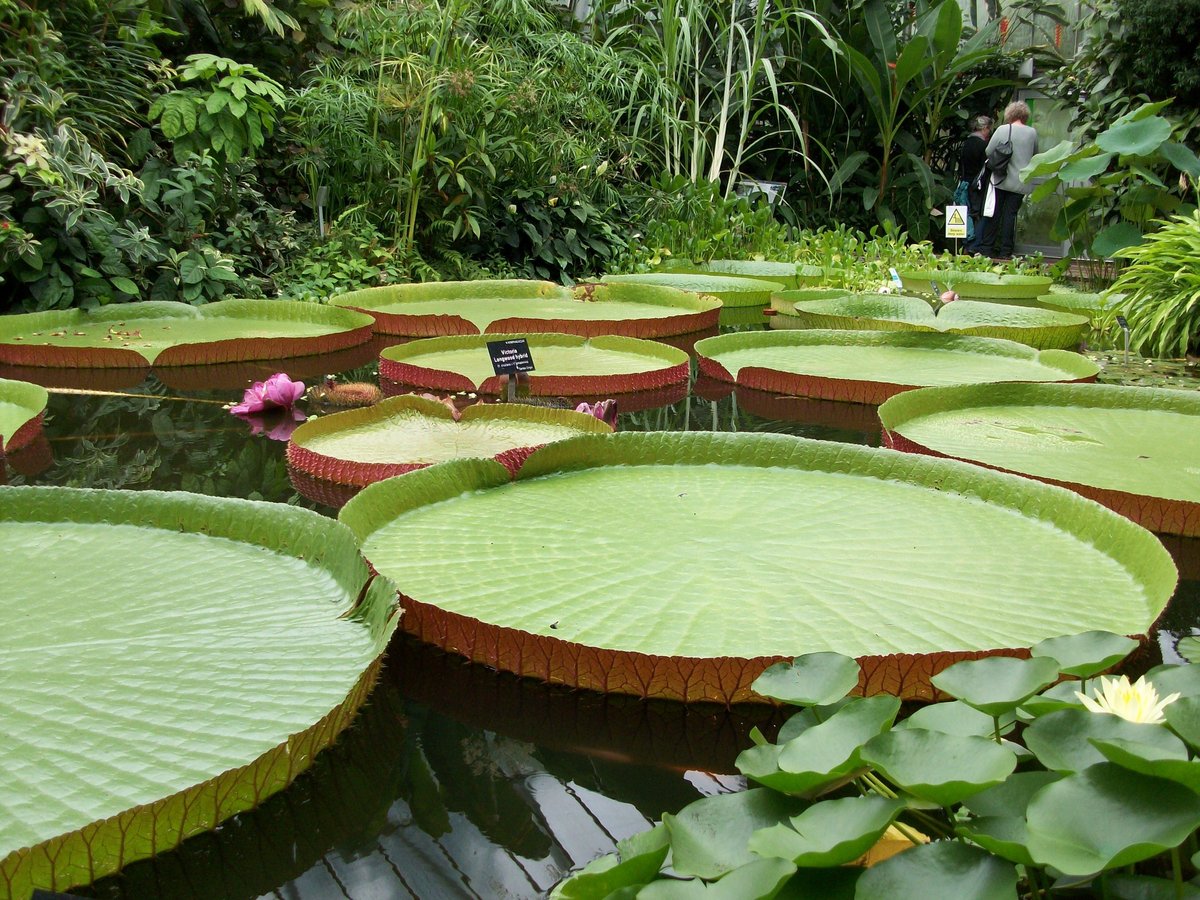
{"x": 852, "y": 390}
{"x": 695, "y": 314}
{"x": 1159, "y": 514}
{"x": 32, "y": 399}
{"x": 355, "y": 328}
{"x": 671, "y": 366}
{"x": 348, "y": 472}
{"x": 724, "y": 679}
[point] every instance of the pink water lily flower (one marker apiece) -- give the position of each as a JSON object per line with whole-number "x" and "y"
{"x": 605, "y": 411}
{"x": 277, "y": 392}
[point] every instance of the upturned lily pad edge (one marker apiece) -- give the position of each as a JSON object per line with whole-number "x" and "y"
{"x": 33, "y": 399}
{"x": 102, "y": 847}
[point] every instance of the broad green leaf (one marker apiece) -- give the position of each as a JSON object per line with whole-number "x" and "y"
{"x": 823, "y": 884}
{"x": 1091, "y": 652}
{"x": 635, "y": 310}
{"x": 636, "y": 862}
{"x": 939, "y": 869}
{"x": 1148, "y": 887}
{"x": 913, "y": 58}
{"x": 1116, "y": 238}
{"x": 1005, "y": 836}
{"x": 1105, "y": 817}
{"x": 1137, "y": 138}
{"x": 1010, "y": 799}
{"x": 1050, "y": 162}
{"x": 1124, "y": 447}
{"x": 761, "y": 879}
{"x": 1062, "y": 741}
{"x": 731, "y": 290}
{"x": 147, "y": 700}
{"x": 1172, "y": 679}
{"x": 939, "y": 767}
{"x": 998, "y": 684}
{"x": 1169, "y": 762}
{"x": 1181, "y": 158}
{"x": 709, "y": 837}
{"x": 814, "y": 679}
{"x": 179, "y": 334}
{"x": 1085, "y": 168}
{"x": 751, "y": 499}
{"x": 1183, "y": 717}
{"x": 829, "y": 833}
{"x": 955, "y": 717}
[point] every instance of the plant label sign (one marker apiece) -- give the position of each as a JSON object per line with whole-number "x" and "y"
{"x": 511, "y": 356}
{"x": 1122, "y": 322}
{"x": 956, "y": 222}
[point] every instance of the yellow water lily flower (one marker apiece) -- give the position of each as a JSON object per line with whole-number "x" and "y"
{"x": 1136, "y": 702}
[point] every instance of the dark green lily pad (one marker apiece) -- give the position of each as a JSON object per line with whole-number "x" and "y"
{"x": 1062, "y": 741}
{"x": 1128, "y": 448}
{"x": 636, "y": 862}
{"x": 871, "y": 366}
{"x": 1043, "y": 329}
{"x": 977, "y": 285}
{"x": 708, "y": 837}
{"x": 566, "y": 365}
{"x": 148, "y": 700}
{"x": 939, "y": 869}
{"x": 997, "y": 685}
{"x": 22, "y": 406}
{"x": 435, "y": 309}
{"x": 812, "y": 680}
{"x": 731, "y": 290}
{"x": 1086, "y": 654}
{"x": 829, "y": 833}
{"x": 941, "y": 768}
{"x": 131, "y": 335}
{"x": 805, "y": 538}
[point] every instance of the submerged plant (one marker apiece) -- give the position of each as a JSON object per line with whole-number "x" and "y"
{"x": 1020, "y": 789}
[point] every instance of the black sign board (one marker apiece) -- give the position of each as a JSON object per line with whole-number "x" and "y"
{"x": 1121, "y": 321}
{"x": 511, "y": 356}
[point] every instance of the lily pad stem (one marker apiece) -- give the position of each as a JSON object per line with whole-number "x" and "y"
{"x": 996, "y": 728}
{"x": 1177, "y": 873}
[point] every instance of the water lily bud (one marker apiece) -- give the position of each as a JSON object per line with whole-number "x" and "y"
{"x": 602, "y": 168}
{"x": 949, "y": 297}
{"x": 512, "y": 208}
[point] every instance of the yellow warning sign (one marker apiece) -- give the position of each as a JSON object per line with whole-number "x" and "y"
{"x": 956, "y": 222}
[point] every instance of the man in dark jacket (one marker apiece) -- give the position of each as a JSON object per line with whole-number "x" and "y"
{"x": 972, "y": 179}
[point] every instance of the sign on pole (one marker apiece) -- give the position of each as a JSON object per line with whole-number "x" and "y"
{"x": 956, "y": 222}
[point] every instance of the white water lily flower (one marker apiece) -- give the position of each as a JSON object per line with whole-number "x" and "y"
{"x": 1136, "y": 702}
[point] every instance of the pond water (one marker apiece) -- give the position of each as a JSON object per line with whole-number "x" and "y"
{"x": 455, "y": 781}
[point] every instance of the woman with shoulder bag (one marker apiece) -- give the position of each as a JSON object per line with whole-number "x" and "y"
{"x": 1010, "y": 149}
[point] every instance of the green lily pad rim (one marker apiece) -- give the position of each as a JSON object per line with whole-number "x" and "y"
{"x": 353, "y": 328}
{"x": 1161, "y": 514}
{"x": 33, "y": 399}
{"x": 731, "y": 290}
{"x": 395, "y": 364}
{"x": 65, "y": 860}
{"x": 349, "y": 472}
{"x": 981, "y": 285}
{"x": 903, "y": 674}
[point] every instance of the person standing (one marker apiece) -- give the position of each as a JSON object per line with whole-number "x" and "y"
{"x": 1007, "y": 189}
{"x": 972, "y": 179}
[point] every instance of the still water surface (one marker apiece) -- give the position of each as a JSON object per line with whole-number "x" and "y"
{"x": 455, "y": 781}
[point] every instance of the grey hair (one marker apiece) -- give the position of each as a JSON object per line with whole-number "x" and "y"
{"x": 981, "y": 122}
{"x": 1017, "y": 111}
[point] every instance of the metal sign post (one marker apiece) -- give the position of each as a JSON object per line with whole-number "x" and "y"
{"x": 1125, "y": 328}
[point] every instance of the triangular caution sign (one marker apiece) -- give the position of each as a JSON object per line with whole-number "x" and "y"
{"x": 956, "y": 217}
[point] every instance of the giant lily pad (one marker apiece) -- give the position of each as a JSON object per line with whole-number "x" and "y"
{"x": 760, "y": 547}
{"x": 1043, "y": 329}
{"x": 789, "y": 274}
{"x": 566, "y": 365}
{"x": 870, "y": 366}
{"x": 784, "y": 303}
{"x": 978, "y": 285}
{"x": 1131, "y": 449}
{"x": 731, "y": 290}
{"x": 22, "y": 407}
{"x": 133, "y": 335}
{"x": 473, "y": 307}
{"x": 401, "y": 434}
{"x": 1081, "y": 303}
{"x": 168, "y": 660}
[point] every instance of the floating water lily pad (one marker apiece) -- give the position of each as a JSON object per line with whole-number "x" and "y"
{"x": 133, "y": 335}
{"x": 784, "y": 303}
{"x": 1081, "y": 303}
{"x": 683, "y": 565}
{"x": 789, "y": 274}
{"x": 400, "y": 434}
{"x": 1043, "y": 329}
{"x": 731, "y": 290}
{"x": 870, "y": 366}
{"x": 22, "y": 407}
{"x": 1132, "y": 449}
{"x": 168, "y": 660}
{"x": 567, "y": 365}
{"x": 977, "y": 285}
{"x": 473, "y": 307}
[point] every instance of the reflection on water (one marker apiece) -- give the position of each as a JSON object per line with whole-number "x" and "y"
{"x": 455, "y": 781}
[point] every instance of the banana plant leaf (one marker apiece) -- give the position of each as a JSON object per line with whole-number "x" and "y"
{"x": 566, "y": 364}
{"x": 436, "y": 309}
{"x": 731, "y": 290}
{"x": 22, "y": 407}
{"x": 1131, "y": 449}
{"x": 134, "y": 335}
{"x": 977, "y": 285}
{"x": 871, "y": 366}
{"x": 1043, "y": 329}
{"x": 402, "y": 434}
{"x": 759, "y": 547}
{"x": 169, "y": 660}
